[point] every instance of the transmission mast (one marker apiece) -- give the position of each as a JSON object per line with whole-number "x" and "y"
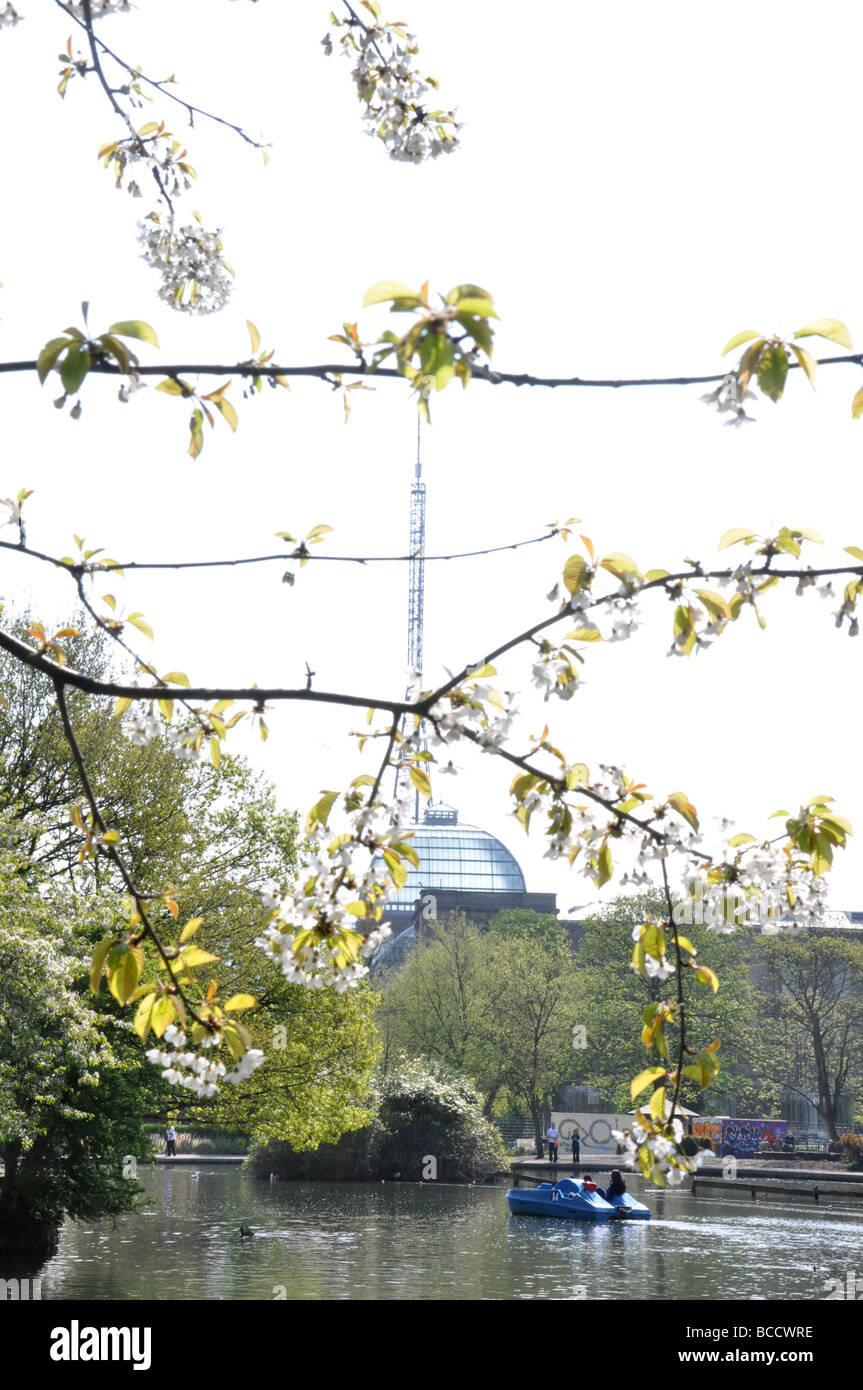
{"x": 416, "y": 592}
{"x": 416, "y": 573}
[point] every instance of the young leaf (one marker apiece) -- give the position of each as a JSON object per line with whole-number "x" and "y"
{"x": 644, "y": 1079}
{"x": 135, "y": 328}
{"x": 833, "y": 329}
{"x": 738, "y": 339}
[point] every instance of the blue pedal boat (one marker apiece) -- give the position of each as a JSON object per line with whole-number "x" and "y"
{"x": 567, "y": 1199}
{"x": 627, "y": 1206}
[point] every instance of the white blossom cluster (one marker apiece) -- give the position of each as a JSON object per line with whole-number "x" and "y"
{"x": 331, "y": 880}
{"x": 196, "y": 278}
{"x": 554, "y": 674}
{"x": 394, "y": 94}
{"x": 198, "y": 1073}
{"x": 143, "y": 725}
{"x": 99, "y": 8}
{"x": 577, "y": 830}
{"x": 623, "y": 614}
{"x": 9, "y": 17}
{"x": 729, "y": 396}
{"x": 669, "y": 1162}
{"x": 477, "y": 721}
{"x": 159, "y": 155}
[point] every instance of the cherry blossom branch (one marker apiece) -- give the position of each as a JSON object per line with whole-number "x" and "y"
{"x": 162, "y": 87}
{"x": 282, "y": 557}
{"x": 115, "y": 105}
{"x": 681, "y": 1007}
{"x": 110, "y": 850}
{"x": 327, "y": 370}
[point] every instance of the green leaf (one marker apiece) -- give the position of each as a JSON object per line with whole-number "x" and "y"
{"x": 585, "y": 634}
{"x": 772, "y": 371}
{"x": 195, "y": 956}
{"x": 385, "y": 290}
{"x": 737, "y": 840}
{"x": 48, "y": 356}
{"x": 807, "y": 362}
{"x": 605, "y": 866}
{"x": 706, "y": 976}
{"x": 163, "y": 1013}
{"x": 135, "y": 328}
{"x": 715, "y": 604}
{"x": 657, "y": 1103}
{"x": 739, "y": 338}
{"x": 575, "y": 573}
{"x": 320, "y": 812}
{"x": 857, "y": 405}
{"x": 620, "y": 565}
{"x": 190, "y": 928}
{"x": 684, "y": 806}
{"x": 97, "y": 964}
{"x": 733, "y": 537}
{"x": 241, "y": 1001}
{"x": 125, "y": 964}
{"x": 833, "y": 329}
{"x": 142, "y": 1020}
{"x": 644, "y": 1079}
{"x": 421, "y": 781}
{"x": 398, "y": 872}
{"x": 74, "y": 367}
{"x": 227, "y": 412}
{"x": 437, "y": 359}
{"x": 139, "y": 621}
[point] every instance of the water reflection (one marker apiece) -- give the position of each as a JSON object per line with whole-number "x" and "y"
{"x": 389, "y": 1241}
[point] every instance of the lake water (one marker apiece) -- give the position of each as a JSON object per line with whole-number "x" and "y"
{"x": 393, "y": 1241}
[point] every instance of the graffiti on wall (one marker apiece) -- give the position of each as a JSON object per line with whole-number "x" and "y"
{"x": 594, "y": 1131}
{"x": 744, "y": 1138}
{"x": 711, "y": 1130}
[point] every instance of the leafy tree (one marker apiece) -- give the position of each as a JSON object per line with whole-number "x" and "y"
{"x": 498, "y": 1005}
{"x": 612, "y": 995}
{"x": 814, "y": 1015}
{"x": 68, "y": 1114}
{"x": 533, "y": 986}
{"x": 321, "y": 1052}
{"x": 439, "y": 1005}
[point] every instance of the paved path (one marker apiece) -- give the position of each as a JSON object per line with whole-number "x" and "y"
{"x": 200, "y": 1160}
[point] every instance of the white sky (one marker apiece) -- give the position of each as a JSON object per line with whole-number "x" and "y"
{"x": 636, "y": 184}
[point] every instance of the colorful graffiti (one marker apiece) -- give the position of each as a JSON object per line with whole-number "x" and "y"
{"x": 711, "y": 1130}
{"x": 744, "y": 1138}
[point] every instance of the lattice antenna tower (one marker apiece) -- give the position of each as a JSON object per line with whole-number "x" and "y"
{"x": 416, "y": 589}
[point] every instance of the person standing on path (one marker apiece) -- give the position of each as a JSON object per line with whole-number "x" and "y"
{"x": 576, "y": 1146}
{"x": 552, "y": 1134}
{"x": 170, "y": 1142}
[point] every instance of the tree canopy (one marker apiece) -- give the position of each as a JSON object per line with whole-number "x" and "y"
{"x": 323, "y": 922}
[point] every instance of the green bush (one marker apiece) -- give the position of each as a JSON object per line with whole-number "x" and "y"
{"x": 422, "y": 1112}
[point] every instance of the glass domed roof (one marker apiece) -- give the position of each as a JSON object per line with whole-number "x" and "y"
{"x": 461, "y": 858}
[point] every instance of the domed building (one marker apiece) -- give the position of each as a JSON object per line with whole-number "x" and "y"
{"x": 462, "y": 869}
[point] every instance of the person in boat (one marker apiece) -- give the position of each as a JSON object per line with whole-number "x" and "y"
{"x": 616, "y": 1186}
{"x": 588, "y": 1185}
